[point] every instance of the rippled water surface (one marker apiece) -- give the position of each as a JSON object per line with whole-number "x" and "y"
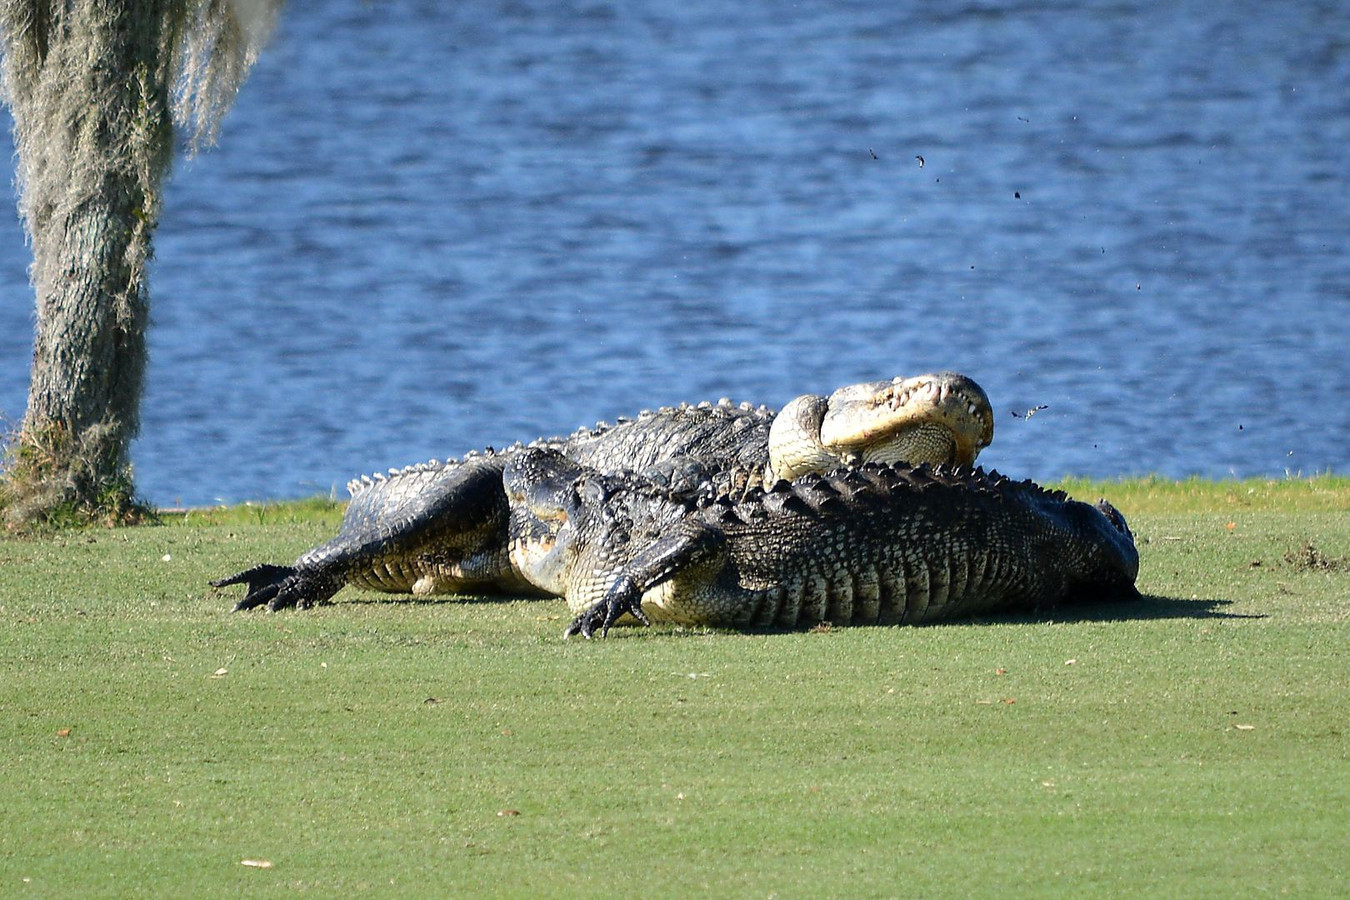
{"x": 431, "y": 227}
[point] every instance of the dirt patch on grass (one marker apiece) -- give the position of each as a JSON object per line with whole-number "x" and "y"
{"x": 1310, "y": 559}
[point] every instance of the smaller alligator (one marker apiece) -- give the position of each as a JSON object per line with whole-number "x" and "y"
{"x": 883, "y": 543}
{"x": 441, "y": 527}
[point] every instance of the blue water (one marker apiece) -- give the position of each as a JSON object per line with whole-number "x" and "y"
{"x": 430, "y": 227}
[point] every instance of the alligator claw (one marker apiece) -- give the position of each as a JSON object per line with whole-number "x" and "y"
{"x": 277, "y": 586}
{"x": 623, "y": 597}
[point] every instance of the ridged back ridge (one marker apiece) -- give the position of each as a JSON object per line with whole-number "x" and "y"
{"x": 835, "y": 493}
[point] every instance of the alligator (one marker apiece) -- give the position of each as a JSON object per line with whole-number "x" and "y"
{"x": 883, "y": 543}
{"x": 442, "y": 527}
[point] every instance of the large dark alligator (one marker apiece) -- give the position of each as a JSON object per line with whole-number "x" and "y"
{"x": 441, "y": 527}
{"x": 882, "y": 543}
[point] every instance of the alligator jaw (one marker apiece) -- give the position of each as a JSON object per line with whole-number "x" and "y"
{"x": 941, "y": 417}
{"x": 539, "y": 487}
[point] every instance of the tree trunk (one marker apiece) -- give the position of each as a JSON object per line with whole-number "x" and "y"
{"x": 90, "y": 92}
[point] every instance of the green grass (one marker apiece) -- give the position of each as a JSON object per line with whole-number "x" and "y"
{"x": 1194, "y": 744}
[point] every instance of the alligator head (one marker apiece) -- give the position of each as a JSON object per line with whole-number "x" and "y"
{"x": 935, "y": 418}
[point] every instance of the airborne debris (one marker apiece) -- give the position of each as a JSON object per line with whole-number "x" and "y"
{"x": 1029, "y": 413}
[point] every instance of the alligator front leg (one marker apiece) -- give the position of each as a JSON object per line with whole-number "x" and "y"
{"x": 624, "y": 596}
{"x": 691, "y": 552}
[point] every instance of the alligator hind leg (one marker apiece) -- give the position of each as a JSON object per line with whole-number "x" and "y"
{"x": 279, "y": 587}
{"x": 457, "y": 510}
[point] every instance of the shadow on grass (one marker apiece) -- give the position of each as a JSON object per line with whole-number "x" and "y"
{"x": 437, "y": 599}
{"x": 1148, "y": 606}
{"x": 1145, "y": 608}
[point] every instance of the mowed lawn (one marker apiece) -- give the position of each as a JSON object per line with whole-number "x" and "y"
{"x": 1193, "y": 744}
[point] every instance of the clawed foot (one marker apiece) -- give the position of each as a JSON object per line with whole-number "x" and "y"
{"x": 623, "y": 597}
{"x": 277, "y": 586}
